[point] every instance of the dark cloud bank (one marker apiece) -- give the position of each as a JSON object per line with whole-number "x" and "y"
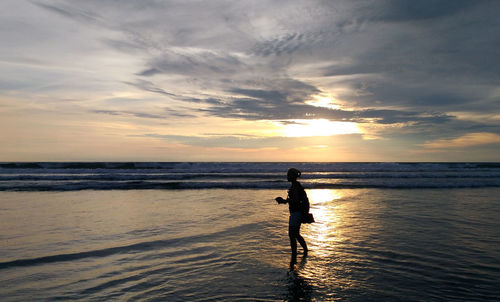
{"x": 397, "y": 62}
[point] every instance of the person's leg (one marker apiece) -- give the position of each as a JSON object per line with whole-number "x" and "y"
{"x": 292, "y": 233}
{"x": 301, "y": 240}
{"x": 302, "y": 243}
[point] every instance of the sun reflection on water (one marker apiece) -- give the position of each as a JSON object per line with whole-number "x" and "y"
{"x": 322, "y": 234}
{"x": 333, "y": 238}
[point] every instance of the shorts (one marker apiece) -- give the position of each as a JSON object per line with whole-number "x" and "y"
{"x": 295, "y": 219}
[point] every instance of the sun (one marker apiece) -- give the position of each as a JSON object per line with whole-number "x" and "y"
{"x": 318, "y": 127}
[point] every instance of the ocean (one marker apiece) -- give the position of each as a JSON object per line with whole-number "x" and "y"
{"x": 213, "y": 232}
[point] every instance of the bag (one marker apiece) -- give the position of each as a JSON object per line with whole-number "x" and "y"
{"x": 307, "y": 218}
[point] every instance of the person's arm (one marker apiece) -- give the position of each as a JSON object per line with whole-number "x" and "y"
{"x": 281, "y": 200}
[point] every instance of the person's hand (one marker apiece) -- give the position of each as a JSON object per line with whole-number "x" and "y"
{"x": 280, "y": 200}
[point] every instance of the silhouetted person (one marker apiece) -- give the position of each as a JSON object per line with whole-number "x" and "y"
{"x": 298, "y": 204}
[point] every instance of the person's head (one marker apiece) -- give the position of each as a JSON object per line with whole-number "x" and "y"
{"x": 293, "y": 174}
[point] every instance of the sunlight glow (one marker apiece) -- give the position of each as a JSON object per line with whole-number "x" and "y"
{"x": 326, "y": 102}
{"x": 319, "y": 127}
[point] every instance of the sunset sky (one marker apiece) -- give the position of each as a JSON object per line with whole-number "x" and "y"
{"x": 346, "y": 80}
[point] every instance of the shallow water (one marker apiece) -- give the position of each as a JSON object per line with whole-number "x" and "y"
{"x": 209, "y": 245}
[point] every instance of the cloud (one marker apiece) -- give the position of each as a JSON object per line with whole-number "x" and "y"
{"x": 389, "y": 64}
{"x": 72, "y": 12}
{"x": 151, "y": 87}
{"x": 193, "y": 62}
{"x": 396, "y": 10}
{"x": 465, "y": 141}
{"x": 413, "y": 54}
{"x": 225, "y": 141}
{"x": 286, "y": 44}
{"x": 421, "y": 61}
{"x": 168, "y": 113}
{"x": 129, "y": 113}
{"x": 244, "y": 141}
{"x": 287, "y": 101}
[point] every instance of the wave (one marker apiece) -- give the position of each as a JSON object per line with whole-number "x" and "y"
{"x": 178, "y": 176}
{"x": 147, "y": 185}
{"x": 90, "y": 254}
{"x": 210, "y": 167}
{"x": 136, "y": 247}
{"x": 194, "y": 176}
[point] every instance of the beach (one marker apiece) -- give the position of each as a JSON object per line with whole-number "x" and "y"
{"x": 231, "y": 244}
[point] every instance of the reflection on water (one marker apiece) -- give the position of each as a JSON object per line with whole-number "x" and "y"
{"x": 376, "y": 245}
{"x": 339, "y": 228}
{"x": 299, "y": 287}
{"x": 232, "y": 245}
{"x": 321, "y": 236}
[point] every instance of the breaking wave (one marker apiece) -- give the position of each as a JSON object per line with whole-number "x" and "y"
{"x": 71, "y": 176}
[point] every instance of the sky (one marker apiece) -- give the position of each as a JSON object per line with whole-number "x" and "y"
{"x": 282, "y": 80}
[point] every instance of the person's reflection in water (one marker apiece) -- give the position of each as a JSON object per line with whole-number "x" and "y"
{"x": 298, "y": 204}
{"x": 299, "y": 288}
